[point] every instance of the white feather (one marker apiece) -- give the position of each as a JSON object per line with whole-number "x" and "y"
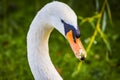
{"x": 37, "y": 39}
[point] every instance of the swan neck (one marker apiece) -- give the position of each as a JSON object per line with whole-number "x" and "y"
{"x": 38, "y": 54}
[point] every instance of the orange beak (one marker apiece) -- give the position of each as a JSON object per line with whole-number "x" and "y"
{"x": 76, "y": 46}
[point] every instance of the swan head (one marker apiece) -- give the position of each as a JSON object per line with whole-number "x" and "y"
{"x": 63, "y": 18}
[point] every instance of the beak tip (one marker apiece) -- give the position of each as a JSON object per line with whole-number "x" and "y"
{"x": 82, "y": 55}
{"x": 82, "y": 58}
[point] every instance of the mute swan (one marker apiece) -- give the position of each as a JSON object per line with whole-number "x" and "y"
{"x": 53, "y": 15}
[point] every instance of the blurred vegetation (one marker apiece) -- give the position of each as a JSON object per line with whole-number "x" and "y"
{"x": 99, "y": 22}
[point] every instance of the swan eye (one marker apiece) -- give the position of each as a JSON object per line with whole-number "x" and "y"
{"x": 68, "y": 27}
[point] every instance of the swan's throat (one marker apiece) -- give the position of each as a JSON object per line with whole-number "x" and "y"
{"x": 38, "y": 54}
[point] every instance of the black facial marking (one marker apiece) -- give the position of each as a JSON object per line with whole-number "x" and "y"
{"x": 68, "y": 27}
{"x": 77, "y": 33}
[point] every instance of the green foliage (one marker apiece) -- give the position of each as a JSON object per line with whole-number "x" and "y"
{"x": 98, "y": 23}
{"x": 99, "y": 36}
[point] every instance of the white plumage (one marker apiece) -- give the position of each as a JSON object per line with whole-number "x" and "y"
{"x": 47, "y": 18}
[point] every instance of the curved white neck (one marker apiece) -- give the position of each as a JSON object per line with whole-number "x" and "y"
{"x": 38, "y": 52}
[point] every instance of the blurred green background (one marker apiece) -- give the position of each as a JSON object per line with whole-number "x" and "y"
{"x": 103, "y": 59}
